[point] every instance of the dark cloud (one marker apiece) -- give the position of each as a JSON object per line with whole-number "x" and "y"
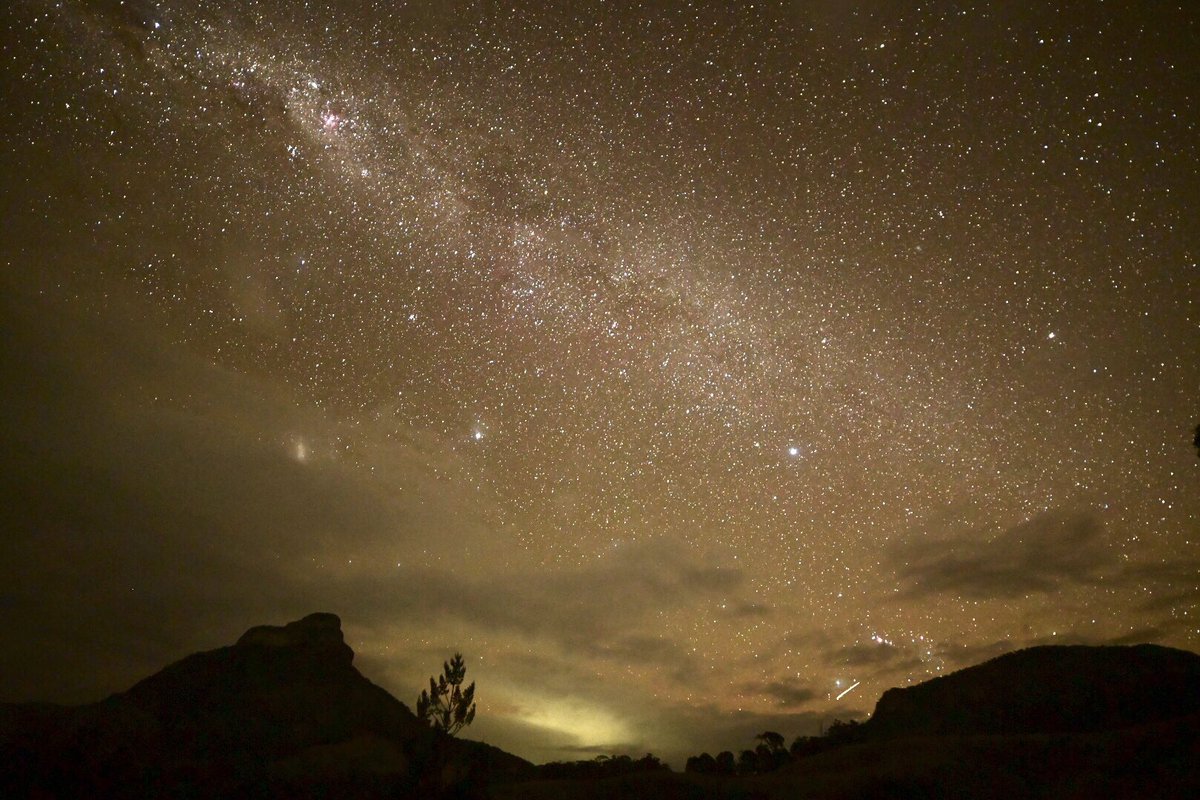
{"x": 1168, "y": 597}
{"x": 1050, "y": 553}
{"x": 787, "y": 693}
{"x": 809, "y": 639}
{"x": 873, "y": 654}
{"x": 640, "y": 649}
{"x": 751, "y": 610}
{"x": 596, "y": 610}
{"x": 1149, "y": 633}
{"x": 1165, "y": 586}
{"x": 592, "y": 750}
{"x": 1040, "y": 556}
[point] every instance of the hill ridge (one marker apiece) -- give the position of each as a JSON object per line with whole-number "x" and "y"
{"x": 1048, "y": 689}
{"x": 283, "y": 710}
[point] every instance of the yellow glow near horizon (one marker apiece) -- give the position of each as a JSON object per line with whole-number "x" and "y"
{"x": 586, "y": 723}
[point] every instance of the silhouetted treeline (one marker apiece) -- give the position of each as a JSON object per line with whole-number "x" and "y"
{"x": 839, "y": 734}
{"x": 770, "y": 754}
{"x": 601, "y": 767}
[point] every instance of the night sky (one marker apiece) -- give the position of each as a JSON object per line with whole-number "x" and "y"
{"x": 683, "y": 365}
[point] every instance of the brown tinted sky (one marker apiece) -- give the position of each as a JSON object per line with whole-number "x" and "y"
{"x": 683, "y": 365}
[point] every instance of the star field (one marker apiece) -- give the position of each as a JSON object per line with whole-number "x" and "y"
{"x": 710, "y": 359}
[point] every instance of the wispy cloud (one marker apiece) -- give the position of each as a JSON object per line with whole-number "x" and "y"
{"x": 1050, "y": 551}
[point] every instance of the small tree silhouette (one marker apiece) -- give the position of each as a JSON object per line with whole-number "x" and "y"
{"x": 770, "y": 751}
{"x": 447, "y": 706}
{"x": 773, "y": 741}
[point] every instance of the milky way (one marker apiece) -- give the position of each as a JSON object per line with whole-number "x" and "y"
{"x": 682, "y": 364}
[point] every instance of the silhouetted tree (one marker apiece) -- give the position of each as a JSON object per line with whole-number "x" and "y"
{"x": 840, "y": 733}
{"x": 808, "y": 745}
{"x": 447, "y": 706}
{"x": 770, "y": 751}
{"x": 602, "y": 766}
{"x": 772, "y": 740}
{"x": 649, "y": 763}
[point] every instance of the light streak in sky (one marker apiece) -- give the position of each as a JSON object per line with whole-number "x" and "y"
{"x": 847, "y": 690}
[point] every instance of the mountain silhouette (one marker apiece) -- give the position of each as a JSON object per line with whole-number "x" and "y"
{"x": 281, "y": 713}
{"x": 1051, "y": 689}
{"x": 1052, "y": 723}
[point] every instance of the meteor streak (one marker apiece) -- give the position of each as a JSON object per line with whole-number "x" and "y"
{"x": 847, "y": 690}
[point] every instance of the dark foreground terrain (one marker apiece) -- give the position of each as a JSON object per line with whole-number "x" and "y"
{"x": 1153, "y": 761}
{"x": 283, "y": 713}
{"x": 1047, "y": 722}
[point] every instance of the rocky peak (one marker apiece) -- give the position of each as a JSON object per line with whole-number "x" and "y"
{"x": 321, "y": 630}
